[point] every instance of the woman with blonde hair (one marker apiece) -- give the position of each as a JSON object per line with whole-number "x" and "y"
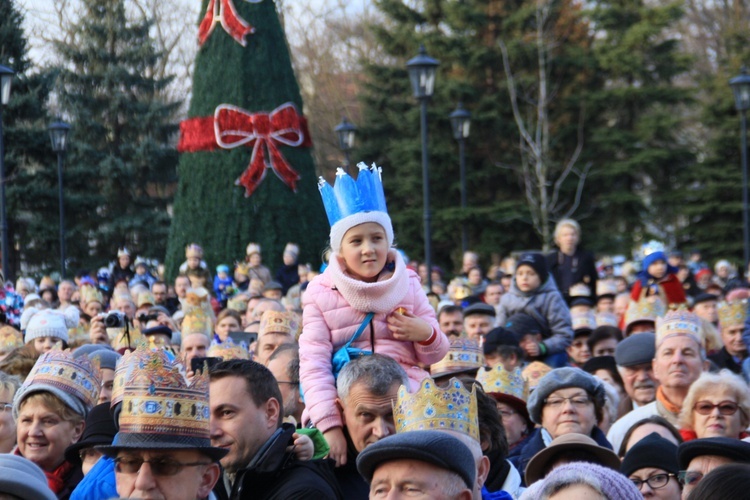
{"x": 717, "y": 405}
{"x": 570, "y": 264}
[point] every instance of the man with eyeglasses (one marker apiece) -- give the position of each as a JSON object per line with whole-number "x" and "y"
{"x": 162, "y": 449}
{"x": 700, "y": 456}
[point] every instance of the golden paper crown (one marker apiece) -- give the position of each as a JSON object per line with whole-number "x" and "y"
{"x": 646, "y": 309}
{"x": 157, "y": 399}
{"x": 278, "y": 322}
{"x": 606, "y": 287}
{"x": 579, "y": 290}
{"x": 118, "y": 337}
{"x": 78, "y": 335}
{"x": 434, "y": 408}
{"x": 252, "y": 248}
{"x": 242, "y": 268}
{"x": 534, "y": 372}
{"x": 679, "y": 322}
{"x": 196, "y": 321}
{"x": 228, "y": 350}
{"x": 463, "y": 354}
{"x": 732, "y": 313}
{"x": 237, "y": 303}
{"x": 196, "y": 296}
{"x": 145, "y": 298}
{"x": 582, "y": 320}
{"x": 91, "y": 294}
{"x": 193, "y": 250}
{"x": 500, "y": 380}
{"x": 10, "y": 339}
{"x": 607, "y": 319}
{"x": 461, "y": 292}
{"x": 75, "y": 376}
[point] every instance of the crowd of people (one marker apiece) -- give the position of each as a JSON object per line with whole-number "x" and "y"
{"x": 542, "y": 377}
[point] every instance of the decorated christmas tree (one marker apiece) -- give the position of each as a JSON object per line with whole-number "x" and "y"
{"x": 245, "y": 121}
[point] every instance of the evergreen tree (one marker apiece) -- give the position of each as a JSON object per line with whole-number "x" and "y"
{"x": 251, "y": 71}
{"x": 31, "y": 176}
{"x": 122, "y": 164}
{"x": 639, "y": 150}
{"x": 464, "y": 36}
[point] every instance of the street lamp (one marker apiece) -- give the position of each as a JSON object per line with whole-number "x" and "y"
{"x": 460, "y": 123}
{"x": 741, "y": 88}
{"x": 6, "y": 78}
{"x": 345, "y": 131}
{"x": 58, "y": 134}
{"x": 422, "y": 71}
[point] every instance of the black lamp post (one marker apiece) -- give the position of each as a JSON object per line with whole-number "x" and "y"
{"x": 345, "y": 131}
{"x": 460, "y": 123}
{"x": 741, "y": 88}
{"x": 422, "y": 71}
{"x": 58, "y": 134}
{"x": 6, "y": 77}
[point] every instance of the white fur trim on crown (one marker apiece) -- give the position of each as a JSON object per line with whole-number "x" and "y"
{"x": 339, "y": 229}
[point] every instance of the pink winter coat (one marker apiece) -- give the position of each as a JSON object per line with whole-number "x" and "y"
{"x": 335, "y": 306}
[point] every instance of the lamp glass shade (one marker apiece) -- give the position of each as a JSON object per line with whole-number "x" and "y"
{"x": 58, "y": 134}
{"x": 741, "y": 89}
{"x": 422, "y": 71}
{"x": 460, "y": 123}
{"x": 345, "y": 131}
{"x": 6, "y": 78}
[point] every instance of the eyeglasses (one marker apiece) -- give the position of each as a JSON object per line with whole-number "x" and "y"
{"x": 655, "y": 482}
{"x": 577, "y": 401}
{"x": 689, "y": 477}
{"x": 159, "y": 466}
{"x": 506, "y": 413}
{"x": 6, "y": 407}
{"x": 725, "y": 407}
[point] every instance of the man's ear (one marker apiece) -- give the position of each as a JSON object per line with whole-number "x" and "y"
{"x": 273, "y": 413}
{"x": 483, "y": 470}
{"x": 340, "y": 407}
{"x": 208, "y": 480}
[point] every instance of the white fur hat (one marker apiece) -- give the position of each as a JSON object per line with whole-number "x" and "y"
{"x": 48, "y": 322}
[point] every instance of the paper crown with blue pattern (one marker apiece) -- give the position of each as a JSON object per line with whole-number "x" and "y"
{"x": 677, "y": 323}
{"x": 732, "y": 313}
{"x": 351, "y": 202}
{"x": 434, "y": 408}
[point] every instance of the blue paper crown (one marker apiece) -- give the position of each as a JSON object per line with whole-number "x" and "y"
{"x": 348, "y": 197}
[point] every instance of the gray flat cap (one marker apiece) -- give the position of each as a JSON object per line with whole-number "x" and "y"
{"x": 637, "y": 349}
{"x": 433, "y": 447}
{"x": 480, "y": 308}
{"x": 562, "y": 378}
{"x": 23, "y": 478}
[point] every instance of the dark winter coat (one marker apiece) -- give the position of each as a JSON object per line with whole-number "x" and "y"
{"x": 287, "y": 276}
{"x": 353, "y": 486}
{"x": 580, "y": 268}
{"x": 275, "y": 474}
{"x": 723, "y": 359}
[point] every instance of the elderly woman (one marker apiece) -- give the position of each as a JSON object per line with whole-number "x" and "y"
{"x": 566, "y": 400}
{"x": 50, "y": 409}
{"x": 717, "y": 405}
{"x": 651, "y": 464}
{"x": 569, "y": 264}
{"x": 581, "y": 480}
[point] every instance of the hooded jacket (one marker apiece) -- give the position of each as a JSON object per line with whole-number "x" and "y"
{"x": 547, "y": 306}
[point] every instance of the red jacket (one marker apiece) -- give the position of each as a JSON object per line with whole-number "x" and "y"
{"x": 670, "y": 290}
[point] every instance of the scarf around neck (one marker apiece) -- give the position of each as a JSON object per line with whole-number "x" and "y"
{"x": 669, "y": 406}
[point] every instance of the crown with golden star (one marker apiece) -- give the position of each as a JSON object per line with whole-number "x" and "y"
{"x": 227, "y": 350}
{"x": 434, "y": 408}
{"x": 646, "y": 309}
{"x": 732, "y": 313}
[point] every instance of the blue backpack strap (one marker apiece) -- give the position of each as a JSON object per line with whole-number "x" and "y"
{"x": 359, "y": 331}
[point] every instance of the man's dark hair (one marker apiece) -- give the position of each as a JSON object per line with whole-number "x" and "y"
{"x": 450, "y": 310}
{"x": 604, "y": 332}
{"x": 158, "y": 282}
{"x": 292, "y": 369}
{"x": 259, "y": 381}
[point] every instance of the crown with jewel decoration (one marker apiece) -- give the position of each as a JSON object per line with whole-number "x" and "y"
{"x": 228, "y": 350}
{"x": 732, "y": 313}
{"x": 91, "y": 294}
{"x": 499, "y": 380}
{"x": 159, "y": 407}
{"x": 646, "y": 309}
{"x": 583, "y": 320}
{"x": 463, "y": 355}
{"x": 606, "y": 288}
{"x": 10, "y": 339}
{"x": 62, "y": 374}
{"x": 434, "y": 408}
{"x": 579, "y": 290}
{"x": 607, "y": 319}
{"x": 534, "y": 372}
{"x": 679, "y": 322}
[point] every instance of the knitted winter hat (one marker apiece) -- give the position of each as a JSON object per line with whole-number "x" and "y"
{"x": 537, "y": 262}
{"x": 651, "y": 451}
{"x": 48, "y": 323}
{"x": 607, "y": 482}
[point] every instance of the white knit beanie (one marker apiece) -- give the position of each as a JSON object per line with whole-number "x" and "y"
{"x": 339, "y": 229}
{"x": 48, "y": 323}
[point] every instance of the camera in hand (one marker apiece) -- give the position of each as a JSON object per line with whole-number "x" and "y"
{"x": 144, "y": 318}
{"x": 114, "y": 319}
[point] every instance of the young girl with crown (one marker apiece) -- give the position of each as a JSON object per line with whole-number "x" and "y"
{"x": 364, "y": 275}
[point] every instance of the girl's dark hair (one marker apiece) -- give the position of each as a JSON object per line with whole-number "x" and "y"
{"x": 725, "y": 481}
{"x": 653, "y": 419}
